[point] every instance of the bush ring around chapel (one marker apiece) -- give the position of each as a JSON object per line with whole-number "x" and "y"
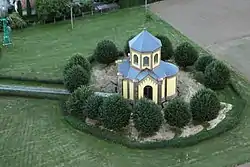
{"x": 154, "y": 103}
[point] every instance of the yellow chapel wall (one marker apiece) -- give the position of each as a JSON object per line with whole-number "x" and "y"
{"x": 163, "y": 88}
{"x": 125, "y": 89}
{"x": 149, "y": 55}
{"x": 148, "y": 82}
{"x": 171, "y": 86}
{"x": 159, "y": 57}
{"x": 132, "y": 53}
{"x": 131, "y": 90}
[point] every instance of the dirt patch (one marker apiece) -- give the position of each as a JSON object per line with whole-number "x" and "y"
{"x": 104, "y": 78}
{"x": 187, "y": 86}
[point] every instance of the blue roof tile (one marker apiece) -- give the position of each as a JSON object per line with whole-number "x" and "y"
{"x": 164, "y": 70}
{"x": 145, "y": 42}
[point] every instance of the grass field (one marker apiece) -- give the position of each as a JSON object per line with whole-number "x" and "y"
{"x": 41, "y": 51}
{"x": 33, "y": 134}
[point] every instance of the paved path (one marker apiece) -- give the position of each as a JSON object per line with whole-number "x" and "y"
{"x": 33, "y": 89}
{"x": 221, "y": 26}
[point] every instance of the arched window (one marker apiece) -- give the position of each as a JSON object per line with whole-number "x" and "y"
{"x": 135, "y": 59}
{"x": 146, "y": 61}
{"x": 156, "y": 58}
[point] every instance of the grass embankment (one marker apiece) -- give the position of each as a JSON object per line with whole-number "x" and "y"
{"x": 32, "y": 133}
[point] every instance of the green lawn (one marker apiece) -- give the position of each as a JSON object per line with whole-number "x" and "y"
{"x": 41, "y": 51}
{"x": 33, "y": 134}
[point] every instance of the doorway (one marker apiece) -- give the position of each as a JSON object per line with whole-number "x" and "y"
{"x": 148, "y": 92}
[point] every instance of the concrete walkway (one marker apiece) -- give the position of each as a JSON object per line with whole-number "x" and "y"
{"x": 43, "y": 90}
{"x": 221, "y": 26}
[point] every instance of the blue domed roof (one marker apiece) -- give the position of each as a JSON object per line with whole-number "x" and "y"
{"x": 145, "y": 42}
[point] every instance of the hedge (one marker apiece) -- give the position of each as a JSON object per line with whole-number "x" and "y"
{"x": 232, "y": 119}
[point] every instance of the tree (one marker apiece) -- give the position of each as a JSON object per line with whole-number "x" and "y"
{"x": 204, "y": 105}
{"x": 76, "y": 102}
{"x": 217, "y": 75}
{"x": 50, "y": 9}
{"x": 177, "y": 113}
{"x": 126, "y": 47}
{"x": 167, "y": 48}
{"x": 106, "y": 52}
{"x": 115, "y": 112}
{"x": 19, "y": 8}
{"x": 92, "y": 107}
{"x": 147, "y": 117}
{"x": 185, "y": 55}
{"x": 75, "y": 77}
{"x": 78, "y": 59}
{"x": 28, "y": 8}
{"x": 203, "y": 62}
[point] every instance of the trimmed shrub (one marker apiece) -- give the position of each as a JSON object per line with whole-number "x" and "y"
{"x": 78, "y": 59}
{"x": 217, "y": 75}
{"x": 75, "y": 77}
{"x": 167, "y": 48}
{"x": 92, "y": 107}
{"x": 204, "y": 105}
{"x": 203, "y": 62}
{"x": 76, "y": 102}
{"x": 115, "y": 112}
{"x": 106, "y": 52}
{"x": 177, "y": 113}
{"x": 126, "y": 47}
{"x": 147, "y": 117}
{"x": 16, "y": 21}
{"x": 185, "y": 55}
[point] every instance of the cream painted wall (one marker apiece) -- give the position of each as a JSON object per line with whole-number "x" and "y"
{"x": 171, "y": 86}
{"x": 163, "y": 88}
{"x": 148, "y": 82}
{"x": 149, "y": 55}
{"x": 132, "y": 53}
{"x": 131, "y": 90}
{"x": 159, "y": 57}
{"x": 125, "y": 89}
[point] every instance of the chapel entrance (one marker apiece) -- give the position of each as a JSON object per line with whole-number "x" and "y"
{"x": 148, "y": 92}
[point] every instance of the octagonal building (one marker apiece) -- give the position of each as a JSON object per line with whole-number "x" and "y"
{"x": 143, "y": 74}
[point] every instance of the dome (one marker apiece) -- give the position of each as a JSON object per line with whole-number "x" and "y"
{"x": 145, "y": 42}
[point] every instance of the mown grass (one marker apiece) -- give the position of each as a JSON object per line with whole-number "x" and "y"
{"x": 42, "y": 51}
{"x": 33, "y": 134}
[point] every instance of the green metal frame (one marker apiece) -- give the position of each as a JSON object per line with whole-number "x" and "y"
{"x": 6, "y": 32}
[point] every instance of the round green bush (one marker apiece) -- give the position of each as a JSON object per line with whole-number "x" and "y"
{"x": 92, "y": 107}
{"x": 204, "y": 105}
{"x": 147, "y": 117}
{"x": 115, "y": 112}
{"x": 77, "y": 101}
{"x": 167, "y": 48}
{"x": 75, "y": 77}
{"x": 203, "y": 62}
{"x": 217, "y": 75}
{"x": 126, "y": 47}
{"x": 177, "y": 113}
{"x": 106, "y": 52}
{"x": 185, "y": 55}
{"x": 78, "y": 59}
